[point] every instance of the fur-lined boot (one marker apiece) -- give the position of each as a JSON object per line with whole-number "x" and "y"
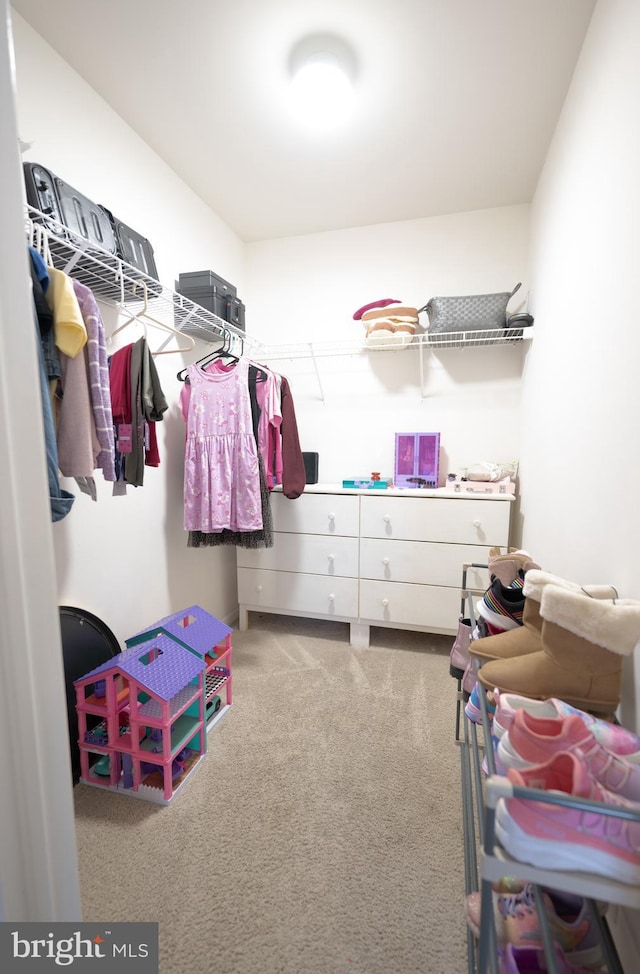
{"x": 526, "y": 639}
{"x": 584, "y": 641}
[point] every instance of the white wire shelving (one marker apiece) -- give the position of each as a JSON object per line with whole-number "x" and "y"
{"x": 116, "y": 281}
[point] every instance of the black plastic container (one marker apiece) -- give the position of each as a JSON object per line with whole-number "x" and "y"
{"x": 205, "y": 279}
{"x": 207, "y": 297}
{"x": 132, "y": 247}
{"x": 64, "y": 205}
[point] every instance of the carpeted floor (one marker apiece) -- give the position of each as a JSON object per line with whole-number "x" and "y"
{"x": 321, "y": 834}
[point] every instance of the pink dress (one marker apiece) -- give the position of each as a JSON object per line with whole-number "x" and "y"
{"x": 221, "y": 475}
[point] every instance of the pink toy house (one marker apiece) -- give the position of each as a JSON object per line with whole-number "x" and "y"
{"x": 210, "y": 640}
{"x": 152, "y": 734}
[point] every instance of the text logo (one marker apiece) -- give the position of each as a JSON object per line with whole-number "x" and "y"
{"x": 81, "y": 947}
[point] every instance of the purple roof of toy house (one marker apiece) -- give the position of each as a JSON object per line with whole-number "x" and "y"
{"x": 194, "y": 626}
{"x": 164, "y": 676}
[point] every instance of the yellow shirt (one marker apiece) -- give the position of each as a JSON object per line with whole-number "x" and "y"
{"x": 69, "y": 328}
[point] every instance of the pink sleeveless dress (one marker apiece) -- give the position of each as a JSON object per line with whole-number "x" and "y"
{"x": 221, "y": 474}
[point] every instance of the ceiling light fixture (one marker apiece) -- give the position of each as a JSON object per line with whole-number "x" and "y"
{"x": 323, "y": 71}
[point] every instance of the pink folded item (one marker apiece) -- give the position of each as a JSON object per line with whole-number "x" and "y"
{"x": 374, "y": 304}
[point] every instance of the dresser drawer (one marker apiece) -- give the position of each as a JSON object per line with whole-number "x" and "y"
{"x": 317, "y": 514}
{"x": 448, "y": 519}
{"x": 314, "y": 554}
{"x": 423, "y": 562}
{"x": 400, "y": 603}
{"x": 291, "y": 592}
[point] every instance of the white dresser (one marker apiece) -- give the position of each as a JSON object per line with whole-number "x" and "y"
{"x": 373, "y": 558}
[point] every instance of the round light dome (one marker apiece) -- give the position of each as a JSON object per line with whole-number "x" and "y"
{"x": 321, "y": 92}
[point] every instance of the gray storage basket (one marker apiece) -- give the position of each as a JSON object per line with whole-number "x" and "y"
{"x": 470, "y": 312}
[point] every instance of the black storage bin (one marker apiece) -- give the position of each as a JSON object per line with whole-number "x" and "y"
{"x": 235, "y": 313}
{"x": 207, "y": 297}
{"x": 55, "y": 198}
{"x": 205, "y": 279}
{"x": 132, "y": 247}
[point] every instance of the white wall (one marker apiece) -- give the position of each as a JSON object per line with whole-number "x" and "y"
{"x": 581, "y": 451}
{"x": 126, "y": 558}
{"x": 307, "y": 288}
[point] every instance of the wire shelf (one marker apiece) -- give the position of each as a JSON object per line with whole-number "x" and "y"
{"x": 111, "y": 278}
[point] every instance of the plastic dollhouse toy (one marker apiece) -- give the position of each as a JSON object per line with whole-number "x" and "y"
{"x": 207, "y": 638}
{"x": 154, "y": 703}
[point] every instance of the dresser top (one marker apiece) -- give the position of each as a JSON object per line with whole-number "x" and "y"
{"x": 474, "y": 493}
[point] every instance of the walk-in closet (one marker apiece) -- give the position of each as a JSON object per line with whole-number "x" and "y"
{"x": 320, "y": 524}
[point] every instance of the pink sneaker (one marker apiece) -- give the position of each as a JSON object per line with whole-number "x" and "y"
{"x": 517, "y": 924}
{"x": 533, "y": 740}
{"x": 531, "y": 960}
{"x": 617, "y": 739}
{"x": 557, "y": 837}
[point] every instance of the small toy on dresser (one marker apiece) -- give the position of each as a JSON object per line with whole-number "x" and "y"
{"x": 156, "y": 699}
{"x": 485, "y": 478}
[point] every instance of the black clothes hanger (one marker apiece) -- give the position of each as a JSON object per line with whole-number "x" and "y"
{"x": 223, "y": 352}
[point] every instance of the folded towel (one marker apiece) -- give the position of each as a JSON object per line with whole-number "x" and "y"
{"x": 395, "y": 311}
{"x": 383, "y": 326}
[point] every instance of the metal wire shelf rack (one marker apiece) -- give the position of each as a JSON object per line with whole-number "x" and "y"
{"x": 116, "y": 281}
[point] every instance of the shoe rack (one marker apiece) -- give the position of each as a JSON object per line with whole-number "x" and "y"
{"x": 485, "y": 861}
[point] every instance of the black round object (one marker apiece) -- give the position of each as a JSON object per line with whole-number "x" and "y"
{"x": 87, "y": 642}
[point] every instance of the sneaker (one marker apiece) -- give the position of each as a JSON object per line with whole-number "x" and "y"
{"x": 617, "y": 739}
{"x": 517, "y": 923}
{"x": 472, "y": 706}
{"x": 508, "y": 566}
{"x": 531, "y": 960}
{"x": 565, "y": 837}
{"x": 533, "y": 740}
{"x": 502, "y": 605}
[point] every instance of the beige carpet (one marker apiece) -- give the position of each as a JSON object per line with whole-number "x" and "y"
{"x": 321, "y": 834}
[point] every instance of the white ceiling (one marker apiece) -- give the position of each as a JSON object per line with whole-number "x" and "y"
{"x": 457, "y": 100}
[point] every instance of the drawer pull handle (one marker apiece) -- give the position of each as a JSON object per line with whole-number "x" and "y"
{"x": 385, "y": 602}
{"x": 331, "y": 557}
{"x": 332, "y": 517}
{"x": 258, "y": 588}
{"x": 387, "y": 518}
{"x": 385, "y": 561}
{"x": 477, "y": 523}
{"x": 331, "y": 597}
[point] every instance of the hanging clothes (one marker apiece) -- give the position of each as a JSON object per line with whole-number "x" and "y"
{"x": 137, "y": 403}
{"x": 78, "y": 444}
{"x": 262, "y": 537}
{"x": 98, "y": 371}
{"x": 221, "y": 474}
{"x": 60, "y": 501}
{"x": 294, "y": 478}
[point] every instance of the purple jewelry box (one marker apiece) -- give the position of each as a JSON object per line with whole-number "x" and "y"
{"x": 417, "y": 460}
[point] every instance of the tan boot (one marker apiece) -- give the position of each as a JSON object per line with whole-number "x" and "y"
{"x": 584, "y": 641}
{"x": 518, "y": 642}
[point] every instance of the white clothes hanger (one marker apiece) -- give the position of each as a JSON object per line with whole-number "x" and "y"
{"x": 143, "y": 316}
{"x": 39, "y": 240}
